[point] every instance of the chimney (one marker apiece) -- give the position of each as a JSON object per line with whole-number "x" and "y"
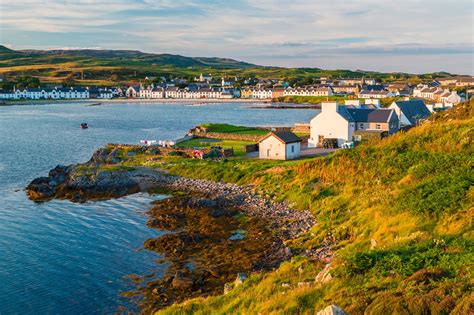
{"x": 329, "y": 107}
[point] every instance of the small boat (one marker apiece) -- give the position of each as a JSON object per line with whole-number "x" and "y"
{"x": 84, "y": 126}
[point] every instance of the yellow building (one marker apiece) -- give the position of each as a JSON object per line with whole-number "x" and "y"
{"x": 246, "y": 93}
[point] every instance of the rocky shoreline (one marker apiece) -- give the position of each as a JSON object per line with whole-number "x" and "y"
{"x": 88, "y": 181}
{"x": 220, "y": 229}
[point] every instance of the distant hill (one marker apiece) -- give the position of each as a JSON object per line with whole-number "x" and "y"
{"x": 112, "y": 67}
{"x": 155, "y": 59}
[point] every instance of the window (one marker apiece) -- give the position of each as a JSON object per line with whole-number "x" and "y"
{"x": 378, "y": 126}
{"x": 292, "y": 149}
{"x": 361, "y": 126}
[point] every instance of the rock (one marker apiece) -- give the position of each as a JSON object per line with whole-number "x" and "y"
{"x": 98, "y": 157}
{"x": 113, "y": 157}
{"x": 238, "y": 235}
{"x": 285, "y": 285}
{"x": 373, "y": 243}
{"x": 182, "y": 282}
{"x": 304, "y": 284}
{"x": 217, "y": 213}
{"x": 324, "y": 276}
{"x": 240, "y": 278}
{"x": 332, "y": 310}
{"x": 227, "y": 288}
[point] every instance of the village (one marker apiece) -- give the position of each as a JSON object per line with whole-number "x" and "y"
{"x": 442, "y": 93}
{"x": 336, "y": 126}
{"x": 359, "y": 113}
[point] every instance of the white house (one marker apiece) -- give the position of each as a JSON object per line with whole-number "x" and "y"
{"x": 346, "y": 123}
{"x": 411, "y": 112}
{"x": 157, "y": 92}
{"x": 262, "y": 93}
{"x": 7, "y": 95}
{"x": 171, "y": 92}
{"x": 332, "y": 122}
{"x": 133, "y": 91}
{"x": 376, "y": 94}
{"x": 280, "y": 146}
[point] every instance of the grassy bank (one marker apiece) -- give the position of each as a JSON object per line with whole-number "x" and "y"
{"x": 400, "y": 211}
{"x": 238, "y": 146}
{"x": 226, "y": 128}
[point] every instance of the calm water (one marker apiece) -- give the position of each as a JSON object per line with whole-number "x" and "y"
{"x": 65, "y": 258}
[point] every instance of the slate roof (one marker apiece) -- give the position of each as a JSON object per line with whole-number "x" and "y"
{"x": 343, "y": 111}
{"x": 413, "y": 110}
{"x": 375, "y": 87}
{"x": 285, "y": 136}
{"x": 370, "y": 115}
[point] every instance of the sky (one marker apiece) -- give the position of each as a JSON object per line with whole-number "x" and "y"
{"x": 415, "y": 36}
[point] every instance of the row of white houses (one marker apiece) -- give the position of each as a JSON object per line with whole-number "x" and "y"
{"x": 57, "y": 93}
{"x": 137, "y": 91}
{"x": 264, "y": 93}
{"x": 437, "y": 94}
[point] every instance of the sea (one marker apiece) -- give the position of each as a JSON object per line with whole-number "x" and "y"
{"x": 60, "y": 257}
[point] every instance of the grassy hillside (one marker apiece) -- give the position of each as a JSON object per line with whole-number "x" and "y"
{"x": 112, "y": 67}
{"x": 398, "y": 212}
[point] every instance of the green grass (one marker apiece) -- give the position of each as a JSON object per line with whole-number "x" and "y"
{"x": 410, "y": 195}
{"x": 238, "y": 146}
{"x": 226, "y": 128}
{"x": 400, "y": 211}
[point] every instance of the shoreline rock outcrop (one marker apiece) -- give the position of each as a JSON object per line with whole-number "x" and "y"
{"x": 95, "y": 181}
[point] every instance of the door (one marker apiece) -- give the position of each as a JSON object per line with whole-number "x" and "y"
{"x": 320, "y": 141}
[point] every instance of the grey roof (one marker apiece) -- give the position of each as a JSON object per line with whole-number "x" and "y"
{"x": 369, "y": 114}
{"x": 285, "y": 136}
{"x": 414, "y": 110}
{"x": 343, "y": 111}
{"x": 374, "y": 87}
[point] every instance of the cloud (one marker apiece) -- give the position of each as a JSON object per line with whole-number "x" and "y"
{"x": 245, "y": 28}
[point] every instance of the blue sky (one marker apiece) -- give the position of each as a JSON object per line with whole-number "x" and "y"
{"x": 405, "y": 35}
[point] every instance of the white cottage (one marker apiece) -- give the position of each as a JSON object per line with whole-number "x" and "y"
{"x": 333, "y": 122}
{"x": 280, "y": 146}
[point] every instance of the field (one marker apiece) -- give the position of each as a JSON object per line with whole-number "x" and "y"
{"x": 238, "y": 146}
{"x": 226, "y": 128}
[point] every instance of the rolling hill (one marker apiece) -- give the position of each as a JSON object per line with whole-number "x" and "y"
{"x": 112, "y": 67}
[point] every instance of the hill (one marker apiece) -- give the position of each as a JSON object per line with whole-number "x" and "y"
{"x": 152, "y": 59}
{"x": 112, "y": 67}
{"x": 397, "y": 213}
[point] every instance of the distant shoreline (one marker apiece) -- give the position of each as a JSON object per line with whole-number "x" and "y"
{"x": 134, "y": 100}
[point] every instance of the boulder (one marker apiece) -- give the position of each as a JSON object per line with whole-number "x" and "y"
{"x": 324, "y": 276}
{"x": 182, "y": 282}
{"x": 304, "y": 284}
{"x": 332, "y": 310}
{"x": 227, "y": 288}
{"x": 240, "y": 278}
{"x": 98, "y": 157}
{"x": 373, "y": 243}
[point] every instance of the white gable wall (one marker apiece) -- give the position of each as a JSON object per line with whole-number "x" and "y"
{"x": 330, "y": 124}
{"x": 293, "y": 150}
{"x": 271, "y": 148}
{"x": 402, "y": 119}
